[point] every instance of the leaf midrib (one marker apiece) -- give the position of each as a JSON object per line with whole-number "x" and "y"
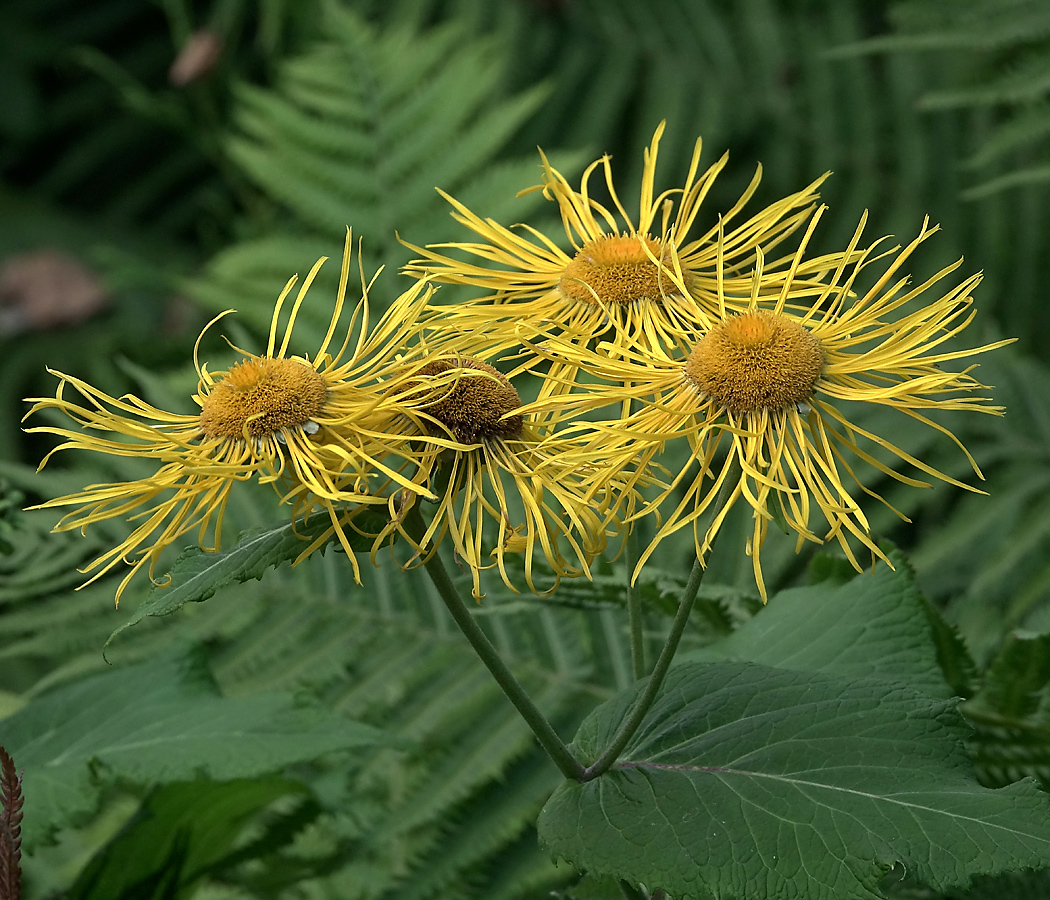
{"x": 799, "y": 782}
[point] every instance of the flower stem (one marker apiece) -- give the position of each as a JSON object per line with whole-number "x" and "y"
{"x": 634, "y": 599}
{"x": 553, "y": 745}
{"x": 685, "y": 606}
{"x": 634, "y": 610}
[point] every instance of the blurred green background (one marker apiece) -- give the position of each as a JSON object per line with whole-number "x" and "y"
{"x": 163, "y": 161}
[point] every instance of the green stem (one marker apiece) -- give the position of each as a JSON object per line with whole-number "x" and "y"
{"x": 634, "y": 609}
{"x": 685, "y": 606}
{"x": 634, "y": 600}
{"x": 553, "y": 745}
{"x": 663, "y": 663}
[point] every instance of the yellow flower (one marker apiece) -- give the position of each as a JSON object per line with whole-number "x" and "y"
{"x": 289, "y": 420}
{"x": 490, "y": 466}
{"x": 643, "y": 278}
{"x": 758, "y": 398}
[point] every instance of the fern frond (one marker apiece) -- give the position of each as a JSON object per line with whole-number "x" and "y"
{"x": 987, "y": 555}
{"x": 1022, "y": 83}
{"x": 1006, "y": 72}
{"x": 485, "y": 832}
{"x": 1026, "y": 177}
{"x": 975, "y": 23}
{"x": 1028, "y": 127}
{"x": 358, "y": 132}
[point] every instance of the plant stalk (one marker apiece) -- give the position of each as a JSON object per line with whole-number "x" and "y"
{"x": 685, "y": 606}
{"x": 552, "y": 744}
{"x": 634, "y": 609}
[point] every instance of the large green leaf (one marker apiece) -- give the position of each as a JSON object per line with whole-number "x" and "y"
{"x": 157, "y": 722}
{"x": 747, "y": 781}
{"x": 874, "y": 626}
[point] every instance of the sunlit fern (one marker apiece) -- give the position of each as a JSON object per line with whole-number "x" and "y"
{"x": 358, "y": 132}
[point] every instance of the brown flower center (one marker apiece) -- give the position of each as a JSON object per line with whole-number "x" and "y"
{"x": 617, "y": 270}
{"x": 472, "y": 407}
{"x": 259, "y": 397}
{"x": 758, "y": 360}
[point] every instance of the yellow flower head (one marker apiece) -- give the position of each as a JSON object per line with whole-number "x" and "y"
{"x": 642, "y": 278}
{"x": 758, "y": 396}
{"x": 299, "y": 422}
{"x": 500, "y": 478}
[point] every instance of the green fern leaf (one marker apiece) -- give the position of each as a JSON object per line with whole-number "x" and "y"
{"x": 359, "y": 132}
{"x": 1032, "y": 175}
{"x": 1011, "y": 712}
{"x": 1027, "y": 127}
{"x": 161, "y": 721}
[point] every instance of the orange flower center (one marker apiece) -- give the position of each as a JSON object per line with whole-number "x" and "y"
{"x": 754, "y": 361}
{"x": 617, "y": 270}
{"x": 260, "y": 397}
{"x": 473, "y": 406}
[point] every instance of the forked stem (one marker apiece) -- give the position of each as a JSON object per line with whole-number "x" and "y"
{"x": 553, "y": 745}
{"x": 685, "y": 606}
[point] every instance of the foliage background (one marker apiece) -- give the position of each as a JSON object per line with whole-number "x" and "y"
{"x": 185, "y": 200}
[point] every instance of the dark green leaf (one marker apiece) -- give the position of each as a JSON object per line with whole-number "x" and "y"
{"x": 779, "y": 519}
{"x": 875, "y": 626}
{"x": 1011, "y": 712}
{"x": 1012, "y": 886}
{"x": 160, "y": 721}
{"x": 752, "y": 782}
{"x": 829, "y": 567}
{"x": 197, "y": 575}
{"x": 181, "y": 830}
{"x": 1017, "y": 682}
{"x": 956, "y": 664}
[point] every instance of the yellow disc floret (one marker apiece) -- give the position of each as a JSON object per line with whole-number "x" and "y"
{"x": 260, "y": 397}
{"x": 616, "y": 270}
{"x": 473, "y": 407}
{"x": 757, "y": 360}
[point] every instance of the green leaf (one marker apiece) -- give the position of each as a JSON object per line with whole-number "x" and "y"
{"x": 1011, "y": 712}
{"x": 874, "y": 626}
{"x": 181, "y": 831}
{"x": 1017, "y": 682}
{"x": 829, "y": 568}
{"x": 591, "y": 888}
{"x": 1012, "y": 886}
{"x": 779, "y": 519}
{"x": 747, "y": 781}
{"x": 957, "y": 665}
{"x": 197, "y": 575}
{"x": 160, "y": 721}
